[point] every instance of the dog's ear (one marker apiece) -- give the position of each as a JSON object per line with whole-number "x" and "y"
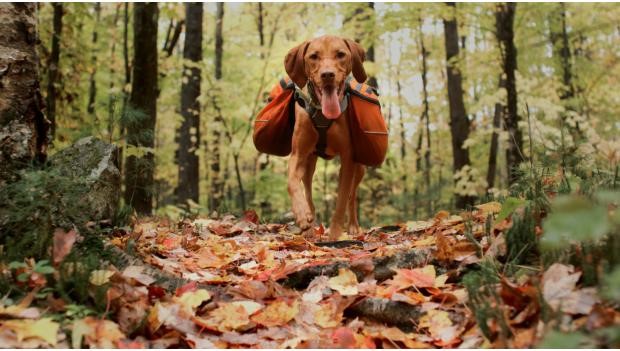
{"x": 294, "y": 64}
{"x": 358, "y": 55}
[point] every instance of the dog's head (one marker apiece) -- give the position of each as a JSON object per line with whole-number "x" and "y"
{"x": 326, "y": 62}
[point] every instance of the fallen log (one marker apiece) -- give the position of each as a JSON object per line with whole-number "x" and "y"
{"x": 396, "y": 313}
{"x": 382, "y": 268}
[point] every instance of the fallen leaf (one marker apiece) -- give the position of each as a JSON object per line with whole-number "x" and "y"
{"x": 192, "y": 299}
{"x": 314, "y": 292}
{"x": 490, "y": 207}
{"x": 558, "y": 282}
{"x": 44, "y": 329}
{"x": 226, "y": 317}
{"x": 580, "y": 301}
{"x": 345, "y": 282}
{"x": 63, "y": 242}
{"x": 346, "y": 338}
{"x": 100, "y": 277}
{"x": 135, "y": 272}
{"x": 418, "y": 277}
{"x": 277, "y": 313}
{"x": 439, "y": 325}
{"x": 250, "y": 216}
{"x": 191, "y": 286}
{"x": 96, "y": 333}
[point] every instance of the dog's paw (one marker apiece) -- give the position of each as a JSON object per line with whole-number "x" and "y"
{"x": 355, "y": 230}
{"x": 334, "y": 233}
{"x": 306, "y": 221}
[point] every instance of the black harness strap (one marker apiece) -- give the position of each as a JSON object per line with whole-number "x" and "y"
{"x": 320, "y": 122}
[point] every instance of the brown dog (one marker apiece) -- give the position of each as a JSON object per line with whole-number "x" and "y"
{"x": 325, "y": 62}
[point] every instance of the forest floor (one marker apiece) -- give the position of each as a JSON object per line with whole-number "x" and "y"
{"x": 230, "y": 282}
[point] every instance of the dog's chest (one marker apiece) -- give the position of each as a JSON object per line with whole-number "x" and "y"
{"x": 338, "y": 137}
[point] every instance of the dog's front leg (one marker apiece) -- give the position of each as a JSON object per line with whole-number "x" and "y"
{"x": 345, "y": 184}
{"x": 296, "y": 169}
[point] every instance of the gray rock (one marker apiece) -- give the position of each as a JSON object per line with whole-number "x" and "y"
{"x": 95, "y": 161}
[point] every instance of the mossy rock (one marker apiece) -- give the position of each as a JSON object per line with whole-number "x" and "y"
{"x": 94, "y": 161}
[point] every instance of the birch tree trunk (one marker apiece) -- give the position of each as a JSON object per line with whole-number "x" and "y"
{"x": 23, "y": 126}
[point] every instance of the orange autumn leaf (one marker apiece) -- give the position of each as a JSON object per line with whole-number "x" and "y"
{"x": 228, "y": 316}
{"x": 418, "y": 277}
{"x": 276, "y": 314}
{"x": 63, "y": 242}
{"x": 346, "y": 338}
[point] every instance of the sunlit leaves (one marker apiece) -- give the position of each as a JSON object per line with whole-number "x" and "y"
{"x": 44, "y": 329}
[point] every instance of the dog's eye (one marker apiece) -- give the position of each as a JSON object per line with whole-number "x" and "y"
{"x": 340, "y": 55}
{"x": 314, "y": 56}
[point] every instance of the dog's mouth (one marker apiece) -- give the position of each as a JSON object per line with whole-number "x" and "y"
{"x": 329, "y": 96}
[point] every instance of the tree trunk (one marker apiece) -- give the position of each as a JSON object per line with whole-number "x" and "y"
{"x": 561, "y": 50}
{"x": 23, "y": 126}
{"x": 92, "y": 91}
{"x": 171, "y": 43}
{"x": 126, "y": 46}
{"x": 216, "y": 183}
{"x": 497, "y": 119}
{"x": 125, "y": 91}
{"x": 112, "y": 98}
{"x": 562, "y": 53}
{"x": 54, "y": 61}
{"x": 141, "y": 128}
{"x": 426, "y": 118}
{"x": 262, "y": 162}
{"x": 504, "y": 24}
{"x": 189, "y": 132}
{"x": 459, "y": 123}
{"x": 259, "y": 24}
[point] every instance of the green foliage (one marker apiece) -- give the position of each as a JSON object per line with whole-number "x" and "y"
{"x": 574, "y": 219}
{"x": 509, "y": 206}
{"x": 611, "y": 285}
{"x": 33, "y": 207}
{"x": 521, "y": 240}
{"x": 559, "y": 340}
{"x": 484, "y": 300}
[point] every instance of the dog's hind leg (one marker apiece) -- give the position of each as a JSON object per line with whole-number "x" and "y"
{"x": 354, "y": 226}
{"x": 307, "y": 180}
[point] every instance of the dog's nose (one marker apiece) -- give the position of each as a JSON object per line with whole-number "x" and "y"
{"x": 328, "y": 75}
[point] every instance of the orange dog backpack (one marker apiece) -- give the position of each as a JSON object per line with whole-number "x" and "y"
{"x": 369, "y": 133}
{"x": 273, "y": 128}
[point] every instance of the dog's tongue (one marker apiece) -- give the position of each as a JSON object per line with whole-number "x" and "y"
{"x": 330, "y": 105}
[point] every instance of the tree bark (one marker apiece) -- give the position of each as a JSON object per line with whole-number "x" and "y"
{"x": 189, "y": 132}
{"x": 141, "y": 128}
{"x": 561, "y": 50}
{"x": 23, "y": 126}
{"x": 259, "y": 24}
{"x": 426, "y": 118}
{"x": 216, "y": 194}
{"x": 459, "y": 123}
{"x": 497, "y": 119}
{"x": 504, "y": 25}
{"x": 126, "y": 46}
{"x": 169, "y": 46}
{"x": 92, "y": 91}
{"x": 112, "y": 98}
{"x": 53, "y": 65}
